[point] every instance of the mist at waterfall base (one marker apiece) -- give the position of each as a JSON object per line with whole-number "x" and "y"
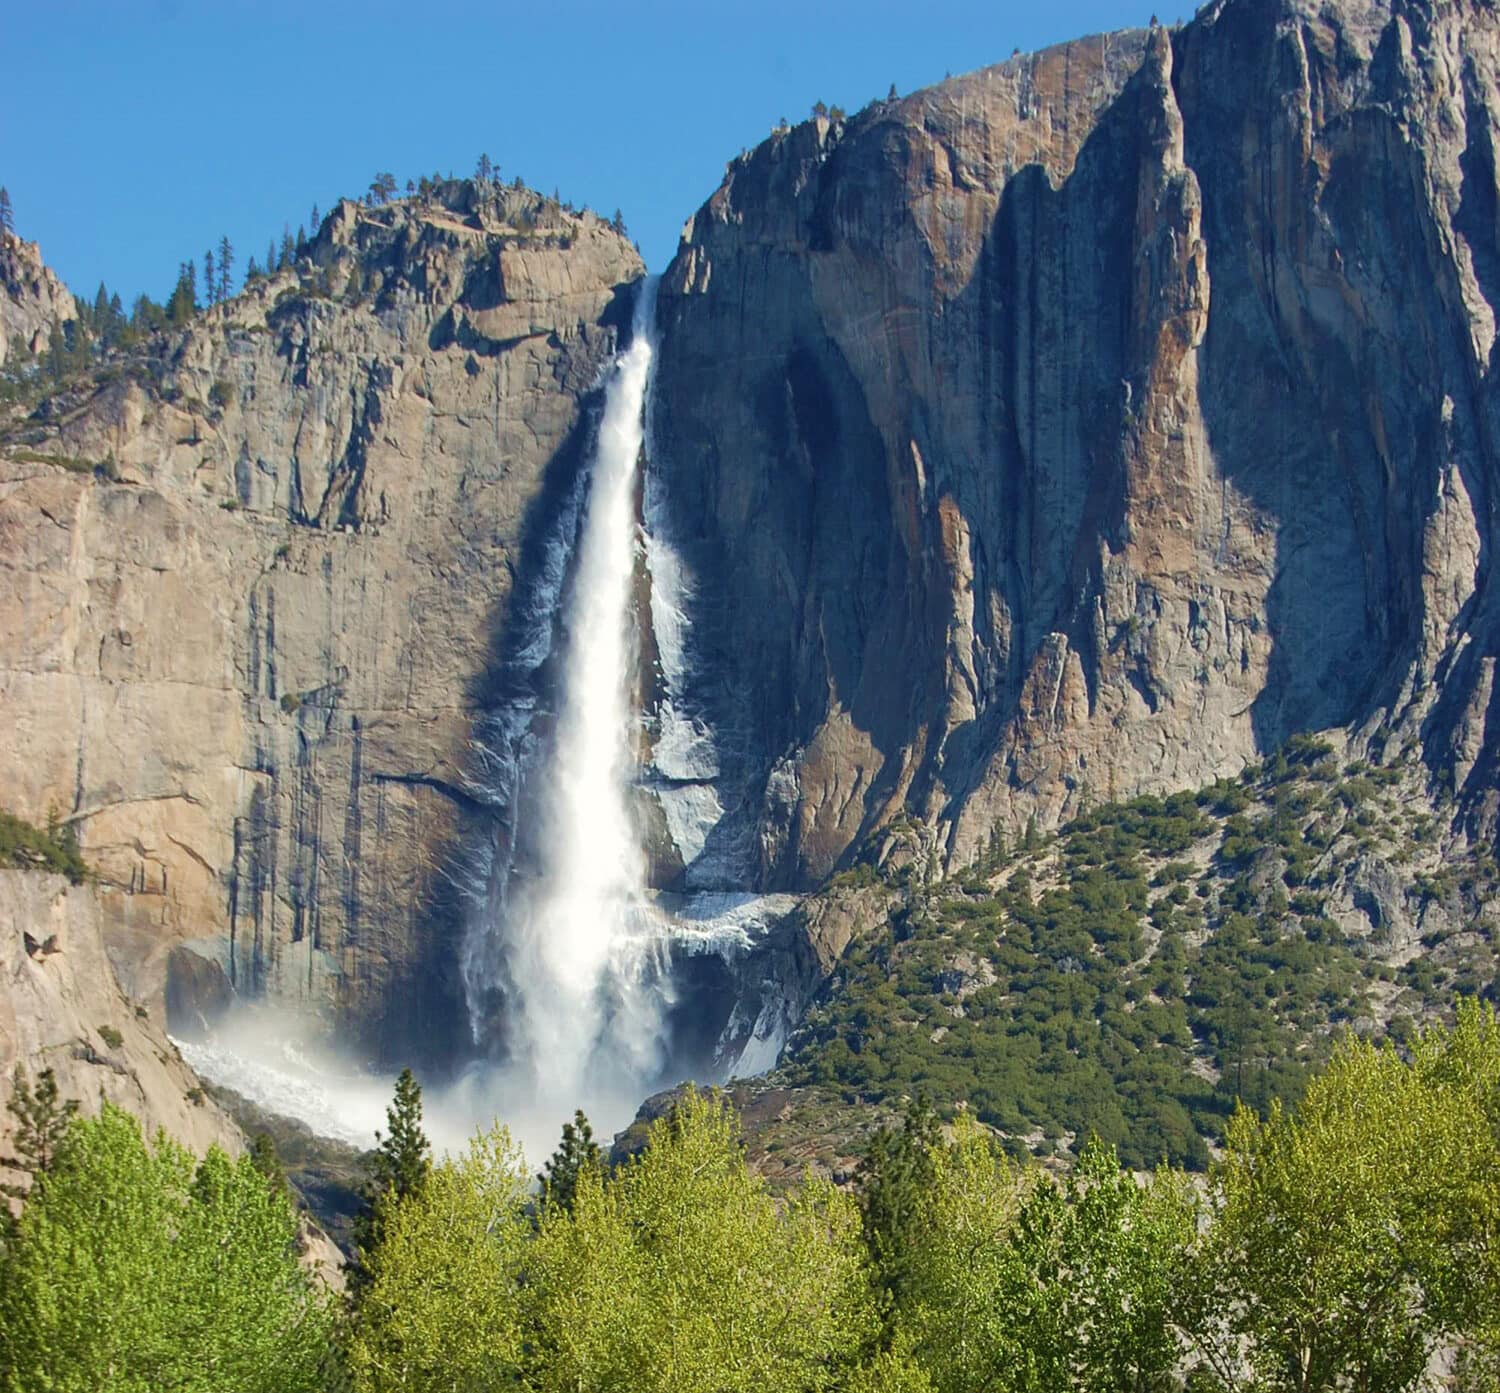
{"x": 567, "y": 961}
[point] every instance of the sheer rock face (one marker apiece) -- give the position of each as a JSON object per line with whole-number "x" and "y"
{"x": 1087, "y": 425}
{"x": 245, "y": 655}
{"x": 31, "y": 298}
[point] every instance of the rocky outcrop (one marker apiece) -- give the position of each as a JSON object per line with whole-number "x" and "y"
{"x": 253, "y": 592}
{"x": 62, "y": 1009}
{"x": 32, "y": 298}
{"x": 1087, "y": 425}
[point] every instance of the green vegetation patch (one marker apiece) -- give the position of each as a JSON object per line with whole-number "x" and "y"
{"x": 1154, "y": 964}
{"x": 26, "y": 847}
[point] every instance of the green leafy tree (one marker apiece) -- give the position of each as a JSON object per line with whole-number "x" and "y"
{"x": 577, "y": 1153}
{"x": 1011, "y": 1281}
{"x": 1355, "y": 1236}
{"x": 442, "y": 1309}
{"x": 1092, "y": 1269}
{"x": 132, "y": 1269}
{"x": 682, "y": 1274}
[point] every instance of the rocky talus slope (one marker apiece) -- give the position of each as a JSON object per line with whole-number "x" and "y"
{"x": 253, "y": 588}
{"x": 1087, "y": 425}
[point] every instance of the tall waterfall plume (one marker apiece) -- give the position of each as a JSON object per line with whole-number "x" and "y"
{"x": 573, "y": 954}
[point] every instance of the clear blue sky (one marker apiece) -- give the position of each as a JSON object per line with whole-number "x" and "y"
{"x": 136, "y": 132}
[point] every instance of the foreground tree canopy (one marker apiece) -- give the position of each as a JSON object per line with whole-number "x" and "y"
{"x": 135, "y": 1268}
{"x": 1349, "y": 1245}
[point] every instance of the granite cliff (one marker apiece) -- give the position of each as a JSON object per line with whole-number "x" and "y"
{"x": 255, "y": 581}
{"x": 32, "y": 298}
{"x": 1087, "y": 425}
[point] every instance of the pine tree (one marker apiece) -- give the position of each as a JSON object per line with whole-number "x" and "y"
{"x": 104, "y": 317}
{"x": 484, "y": 171}
{"x": 577, "y": 1155}
{"x": 79, "y": 352}
{"x": 271, "y": 266}
{"x": 57, "y": 351}
{"x": 894, "y": 1176}
{"x": 226, "y": 267}
{"x": 382, "y": 188}
{"x": 288, "y": 248}
{"x": 210, "y": 285}
{"x": 618, "y": 223}
{"x": 315, "y": 222}
{"x": 184, "y": 297}
{"x": 7, "y": 215}
{"x": 396, "y": 1169}
{"x": 42, "y": 1121}
{"x": 264, "y": 1158}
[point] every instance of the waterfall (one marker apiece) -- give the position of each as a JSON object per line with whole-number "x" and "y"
{"x": 571, "y": 965}
{"x": 573, "y": 954}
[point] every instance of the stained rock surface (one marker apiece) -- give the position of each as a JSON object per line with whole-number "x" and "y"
{"x": 254, "y": 590}
{"x": 1086, "y": 425}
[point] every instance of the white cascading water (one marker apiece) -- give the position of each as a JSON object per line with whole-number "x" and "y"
{"x": 583, "y": 945}
{"x": 566, "y": 963}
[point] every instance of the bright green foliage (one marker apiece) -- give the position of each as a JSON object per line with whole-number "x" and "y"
{"x": 132, "y": 1270}
{"x": 1358, "y": 1234}
{"x": 681, "y": 1275}
{"x": 678, "y": 1274}
{"x": 441, "y": 1308}
{"x": 1019, "y": 1282}
{"x": 1096, "y": 1265}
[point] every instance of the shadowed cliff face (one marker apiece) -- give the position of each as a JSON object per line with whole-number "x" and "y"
{"x": 247, "y": 656}
{"x": 1087, "y": 425}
